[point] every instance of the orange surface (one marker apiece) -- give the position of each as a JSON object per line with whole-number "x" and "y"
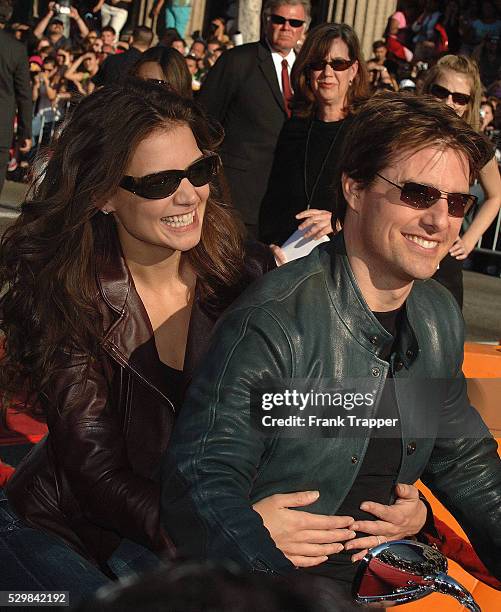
{"x": 481, "y": 362}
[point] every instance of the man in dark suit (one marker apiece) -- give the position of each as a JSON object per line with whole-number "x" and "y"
{"x": 246, "y": 91}
{"x": 116, "y": 67}
{"x": 15, "y": 92}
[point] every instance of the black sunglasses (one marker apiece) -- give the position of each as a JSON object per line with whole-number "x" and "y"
{"x": 338, "y": 65}
{"x": 279, "y": 20}
{"x": 442, "y": 93}
{"x": 424, "y": 196}
{"x": 163, "y": 184}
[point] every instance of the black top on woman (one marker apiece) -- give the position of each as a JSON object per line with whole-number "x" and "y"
{"x": 328, "y": 76}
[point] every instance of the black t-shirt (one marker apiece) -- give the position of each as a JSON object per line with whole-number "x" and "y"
{"x": 376, "y": 478}
{"x": 324, "y": 137}
{"x": 174, "y": 385}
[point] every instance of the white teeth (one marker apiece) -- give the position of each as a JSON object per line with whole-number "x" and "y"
{"x": 179, "y": 220}
{"x": 426, "y": 244}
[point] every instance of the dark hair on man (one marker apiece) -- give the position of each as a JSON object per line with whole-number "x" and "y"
{"x": 315, "y": 47}
{"x": 142, "y": 35}
{"x": 270, "y": 6}
{"x": 109, "y": 29}
{"x": 47, "y": 258}
{"x": 5, "y": 11}
{"x": 377, "y": 44}
{"x": 168, "y": 37}
{"x": 389, "y": 124}
{"x": 176, "y": 74}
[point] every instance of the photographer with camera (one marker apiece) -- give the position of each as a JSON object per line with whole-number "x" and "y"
{"x": 52, "y": 24}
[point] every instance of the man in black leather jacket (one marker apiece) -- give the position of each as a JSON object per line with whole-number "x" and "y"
{"x": 359, "y": 309}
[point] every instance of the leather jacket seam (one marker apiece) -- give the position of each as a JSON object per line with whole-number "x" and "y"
{"x": 198, "y": 457}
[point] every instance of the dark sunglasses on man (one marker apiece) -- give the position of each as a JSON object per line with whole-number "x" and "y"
{"x": 279, "y": 20}
{"x": 338, "y": 64}
{"x": 442, "y": 94}
{"x": 163, "y": 184}
{"x": 424, "y": 196}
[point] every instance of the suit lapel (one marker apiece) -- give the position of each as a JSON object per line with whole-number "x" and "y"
{"x": 268, "y": 69}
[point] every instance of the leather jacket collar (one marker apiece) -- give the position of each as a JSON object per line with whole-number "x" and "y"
{"x": 352, "y": 308}
{"x": 129, "y": 337}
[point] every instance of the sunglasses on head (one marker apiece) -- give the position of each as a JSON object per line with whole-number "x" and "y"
{"x": 442, "y": 93}
{"x": 424, "y": 196}
{"x": 279, "y": 20}
{"x": 338, "y": 65}
{"x": 163, "y": 184}
{"x": 158, "y": 81}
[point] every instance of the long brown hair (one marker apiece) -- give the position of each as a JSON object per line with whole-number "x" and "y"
{"x": 468, "y": 67}
{"x": 48, "y": 257}
{"x": 316, "y": 46}
{"x": 173, "y": 65}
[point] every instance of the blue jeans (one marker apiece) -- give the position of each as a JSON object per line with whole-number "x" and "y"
{"x": 32, "y": 560}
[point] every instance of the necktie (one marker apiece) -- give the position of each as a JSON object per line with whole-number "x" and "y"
{"x": 286, "y": 86}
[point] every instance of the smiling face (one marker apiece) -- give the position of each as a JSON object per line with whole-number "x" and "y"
{"x": 108, "y": 37}
{"x": 330, "y": 86}
{"x": 170, "y": 224}
{"x": 282, "y": 37}
{"x": 392, "y": 243}
{"x": 197, "y": 49}
{"x": 455, "y": 82}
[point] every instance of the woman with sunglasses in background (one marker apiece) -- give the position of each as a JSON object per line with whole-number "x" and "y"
{"x": 328, "y": 76}
{"x": 455, "y": 80}
{"x": 165, "y": 66}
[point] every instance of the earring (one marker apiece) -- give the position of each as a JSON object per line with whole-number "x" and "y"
{"x": 350, "y": 82}
{"x": 105, "y": 212}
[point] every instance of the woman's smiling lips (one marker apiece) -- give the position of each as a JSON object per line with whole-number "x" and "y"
{"x": 184, "y": 222}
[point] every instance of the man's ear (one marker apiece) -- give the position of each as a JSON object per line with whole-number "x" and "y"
{"x": 351, "y": 191}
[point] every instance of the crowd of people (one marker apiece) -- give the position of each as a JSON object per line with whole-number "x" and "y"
{"x": 145, "y": 298}
{"x": 66, "y": 50}
{"x": 70, "y": 54}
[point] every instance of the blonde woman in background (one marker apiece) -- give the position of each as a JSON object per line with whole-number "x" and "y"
{"x": 455, "y": 79}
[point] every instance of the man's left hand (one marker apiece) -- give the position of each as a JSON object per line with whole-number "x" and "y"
{"x": 404, "y": 518}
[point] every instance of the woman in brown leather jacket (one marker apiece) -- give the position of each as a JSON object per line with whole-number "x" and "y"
{"x": 112, "y": 287}
{"x": 113, "y": 276}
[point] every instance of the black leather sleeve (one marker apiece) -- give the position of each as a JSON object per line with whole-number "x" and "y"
{"x": 90, "y": 448}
